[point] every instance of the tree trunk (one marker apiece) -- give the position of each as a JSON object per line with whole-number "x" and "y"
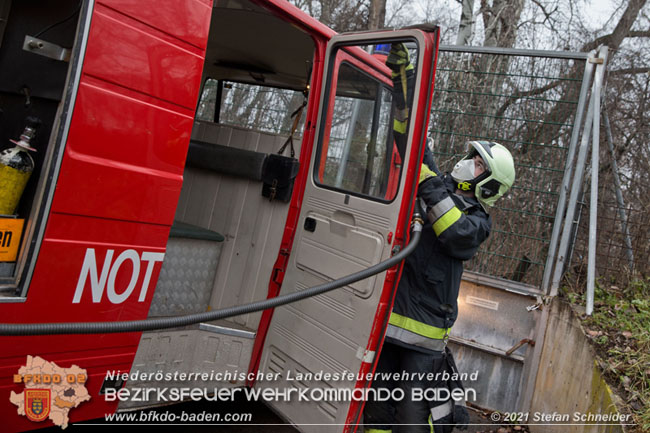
{"x": 501, "y": 20}
{"x": 377, "y": 14}
{"x": 326, "y": 12}
{"x": 466, "y": 27}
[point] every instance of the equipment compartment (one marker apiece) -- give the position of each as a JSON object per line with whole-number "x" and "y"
{"x": 36, "y": 46}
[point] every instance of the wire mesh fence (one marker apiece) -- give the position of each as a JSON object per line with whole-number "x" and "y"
{"x": 528, "y": 103}
{"x": 622, "y": 242}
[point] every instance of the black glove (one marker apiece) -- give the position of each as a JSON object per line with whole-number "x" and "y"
{"x": 398, "y": 57}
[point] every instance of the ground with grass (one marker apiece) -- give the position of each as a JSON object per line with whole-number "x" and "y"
{"x": 620, "y": 332}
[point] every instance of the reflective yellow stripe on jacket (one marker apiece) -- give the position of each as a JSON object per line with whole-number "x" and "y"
{"x": 420, "y": 334}
{"x": 447, "y": 220}
{"x": 418, "y": 327}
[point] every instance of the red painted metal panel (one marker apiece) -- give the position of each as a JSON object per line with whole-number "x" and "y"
{"x": 59, "y": 267}
{"x": 51, "y": 300}
{"x": 87, "y": 229}
{"x": 121, "y": 171}
{"x": 129, "y": 54}
{"x": 129, "y": 128}
{"x": 192, "y": 16}
{"x": 127, "y": 151}
{"x": 102, "y": 188}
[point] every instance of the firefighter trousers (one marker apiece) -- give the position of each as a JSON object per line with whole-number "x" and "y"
{"x": 404, "y": 369}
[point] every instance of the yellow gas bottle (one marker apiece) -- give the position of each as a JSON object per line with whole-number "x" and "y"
{"x": 16, "y": 166}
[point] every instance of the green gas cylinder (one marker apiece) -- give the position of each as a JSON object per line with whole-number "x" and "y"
{"x": 16, "y": 166}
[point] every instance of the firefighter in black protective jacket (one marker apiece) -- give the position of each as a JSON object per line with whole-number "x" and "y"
{"x": 426, "y": 305}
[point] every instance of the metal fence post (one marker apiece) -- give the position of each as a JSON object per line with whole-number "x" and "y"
{"x": 552, "y": 248}
{"x": 593, "y": 200}
{"x": 573, "y": 198}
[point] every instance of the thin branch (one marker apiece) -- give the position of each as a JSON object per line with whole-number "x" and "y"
{"x": 603, "y": 40}
{"x": 630, "y": 71}
{"x": 639, "y": 34}
{"x": 546, "y": 13}
{"x": 518, "y": 95}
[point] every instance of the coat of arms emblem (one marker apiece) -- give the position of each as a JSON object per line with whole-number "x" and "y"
{"x": 37, "y": 404}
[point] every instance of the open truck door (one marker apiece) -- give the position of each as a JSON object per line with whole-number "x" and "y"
{"x": 355, "y": 213}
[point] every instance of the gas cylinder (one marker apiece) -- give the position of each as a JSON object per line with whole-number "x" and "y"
{"x": 16, "y": 166}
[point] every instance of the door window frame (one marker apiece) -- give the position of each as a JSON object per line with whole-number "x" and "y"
{"x": 344, "y": 53}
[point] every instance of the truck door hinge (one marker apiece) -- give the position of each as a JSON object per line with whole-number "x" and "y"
{"x": 280, "y": 266}
{"x": 365, "y": 355}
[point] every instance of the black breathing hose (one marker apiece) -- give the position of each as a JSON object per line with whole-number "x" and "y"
{"x": 173, "y": 322}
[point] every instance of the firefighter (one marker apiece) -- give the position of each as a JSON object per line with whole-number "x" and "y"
{"x": 426, "y": 305}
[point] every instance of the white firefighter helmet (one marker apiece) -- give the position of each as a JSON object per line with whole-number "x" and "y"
{"x": 495, "y": 181}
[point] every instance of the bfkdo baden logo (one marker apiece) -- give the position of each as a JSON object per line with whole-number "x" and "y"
{"x": 37, "y": 404}
{"x": 50, "y": 391}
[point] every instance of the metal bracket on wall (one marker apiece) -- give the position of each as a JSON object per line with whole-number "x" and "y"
{"x": 510, "y": 351}
{"x": 46, "y": 49}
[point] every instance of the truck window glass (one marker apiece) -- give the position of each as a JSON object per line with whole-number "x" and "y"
{"x": 357, "y": 149}
{"x": 261, "y": 108}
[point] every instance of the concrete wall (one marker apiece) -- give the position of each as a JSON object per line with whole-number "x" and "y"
{"x": 569, "y": 381}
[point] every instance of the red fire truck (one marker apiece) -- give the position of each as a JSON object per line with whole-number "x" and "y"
{"x": 145, "y": 203}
